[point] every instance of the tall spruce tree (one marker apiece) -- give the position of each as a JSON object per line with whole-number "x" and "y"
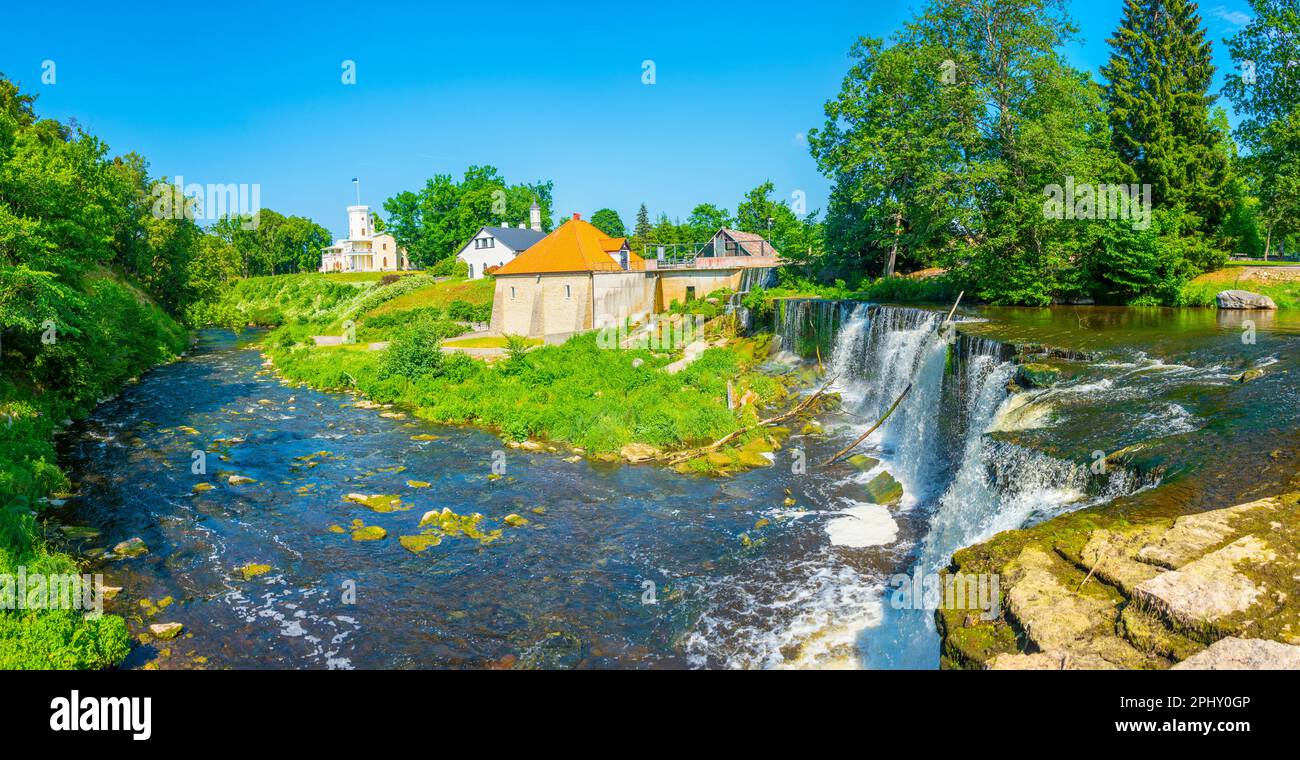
{"x": 1158, "y": 81}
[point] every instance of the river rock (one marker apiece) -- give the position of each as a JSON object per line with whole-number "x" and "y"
{"x": 252, "y": 570}
{"x": 884, "y": 489}
{"x": 132, "y": 547}
{"x": 369, "y": 533}
{"x": 1204, "y": 591}
{"x": 1033, "y": 375}
{"x": 239, "y": 480}
{"x": 863, "y": 462}
{"x": 638, "y": 452}
{"x": 1233, "y": 653}
{"x": 165, "y": 630}
{"x": 1243, "y": 299}
{"x": 1194, "y": 535}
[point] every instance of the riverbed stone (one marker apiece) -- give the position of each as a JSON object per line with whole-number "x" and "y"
{"x": 884, "y": 489}
{"x": 369, "y": 533}
{"x": 417, "y": 544}
{"x": 863, "y": 462}
{"x": 1243, "y": 299}
{"x": 1034, "y": 375}
{"x": 378, "y": 502}
{"x": 132, "y": 547}
{"x": 1233, "y": 653}
{"x": 166, "y": 631}
{"x": 252, "y": 570}
{"x": 1201, "y": 593}
{"x": 638, "y": 452}
{"x": 239, "y": 480}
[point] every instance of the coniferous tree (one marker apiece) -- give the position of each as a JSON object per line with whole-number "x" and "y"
{"x": 1158, "y": 81}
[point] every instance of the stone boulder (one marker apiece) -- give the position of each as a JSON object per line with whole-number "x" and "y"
{"x": 1243, "y": 299}
{"x": 1244, "y": 654}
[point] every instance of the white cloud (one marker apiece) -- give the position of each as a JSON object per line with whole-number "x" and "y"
{"x": 1234, "y": 18}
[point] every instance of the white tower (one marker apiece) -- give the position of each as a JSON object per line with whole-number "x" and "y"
{"x": 535, "y": 217}
{"x": 360, "y": 225}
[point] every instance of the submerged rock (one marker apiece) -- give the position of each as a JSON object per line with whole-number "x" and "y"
{"x": 132, "y": 547}
{"x": 252, "y": 570}
{"x": 377, "y": 502}
{"x": 417, "y": 483}
{"x": 862, "y": 461}
{"x": 239, "y": 480}
{"x": 515, "y": 521}
{"x": 417, "y": 544}
{"x": 1243, "y": 299}
{"x": 1034, "y": 375}
{"x": 166, "y": 631}
{"x": 369, "y": 533}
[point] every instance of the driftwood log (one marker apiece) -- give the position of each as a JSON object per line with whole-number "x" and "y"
{"x": 682, "y": 456}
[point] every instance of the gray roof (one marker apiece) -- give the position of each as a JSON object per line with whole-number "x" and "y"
{"x": 518, "y": 240}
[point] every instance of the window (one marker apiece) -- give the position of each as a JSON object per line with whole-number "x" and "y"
{"x": 471, "y": 271}
{"x": 622, "y": 260}
{"x": 512, "y": 293}
{"x": 568, "y": 292}
{"x": 481, "y": 243}
{"x": 690, "y": 293}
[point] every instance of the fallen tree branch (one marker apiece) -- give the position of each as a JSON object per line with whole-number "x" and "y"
{"x": 682, "y": 456}
{"x": 897, "y": 401}
{"x": 863, "y": 437}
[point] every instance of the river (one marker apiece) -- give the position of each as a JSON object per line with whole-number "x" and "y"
{"x": 617, "y": 565}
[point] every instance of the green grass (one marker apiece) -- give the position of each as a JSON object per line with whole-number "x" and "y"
{"x": 1283, "y": 289}
{"x": 441, "y": 295}
{"x": 492, "y": 341}
{"x": 576, "y": 393}
{"x": 364, "y": 276}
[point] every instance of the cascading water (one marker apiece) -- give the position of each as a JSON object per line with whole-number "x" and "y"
{"x": 963, "y": 485}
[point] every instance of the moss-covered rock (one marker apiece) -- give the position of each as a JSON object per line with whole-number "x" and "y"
{"x": 369, "y": 533}
{"x": 1035, "y": 375}
{"x": 252, "y": 570}
{"x": 884, "y": 489}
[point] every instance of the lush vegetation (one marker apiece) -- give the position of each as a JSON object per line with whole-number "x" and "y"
{"x": 944, "y": 147}
{"x": 576, "y": 393}
{"x": 434, "y": 222}
{"x": 92, "y": 287}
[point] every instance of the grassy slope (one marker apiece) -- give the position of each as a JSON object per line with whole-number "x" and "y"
{"x": 440, "y": 295}
{"x": 1282, "y": 284}
{"x": 122, "y": 333}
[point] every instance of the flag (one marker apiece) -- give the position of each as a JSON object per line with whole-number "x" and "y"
{"x": 354, "y": 179}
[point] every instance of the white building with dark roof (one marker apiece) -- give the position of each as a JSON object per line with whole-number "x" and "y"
{"x": 495, "y": 246}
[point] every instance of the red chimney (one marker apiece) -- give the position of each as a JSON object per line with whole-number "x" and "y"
{"x": 577, "y": 216}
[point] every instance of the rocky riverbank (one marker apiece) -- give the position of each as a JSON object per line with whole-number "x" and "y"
{"x": 1213, "y": 590}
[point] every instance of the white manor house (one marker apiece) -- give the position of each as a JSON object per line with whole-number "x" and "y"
{"x": 364, "y": 250}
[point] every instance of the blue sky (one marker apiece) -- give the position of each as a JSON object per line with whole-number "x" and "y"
{"x": 231, "y": 93}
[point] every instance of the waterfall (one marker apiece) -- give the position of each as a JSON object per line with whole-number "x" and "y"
{"x": 964, "y": 484}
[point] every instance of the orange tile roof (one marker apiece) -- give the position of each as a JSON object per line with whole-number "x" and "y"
{"x": 575, "y": 246}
